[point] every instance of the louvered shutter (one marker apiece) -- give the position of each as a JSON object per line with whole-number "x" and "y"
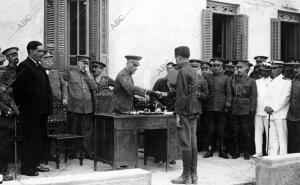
{"x": 55, "y": 32}
{"x": 298, "y": 42}
{"x": 241, "y": 37}
{"x": 49, "y": 32}
{"x": 275, "y": 39}
{"x": 207, "y": 32}
{"x": 104, "y": 32}
{"x": 61, "y": 34}
{"x": 94, "y": 25}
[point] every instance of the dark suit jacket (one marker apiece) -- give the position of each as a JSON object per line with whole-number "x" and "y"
{"x": 32, "y": 89}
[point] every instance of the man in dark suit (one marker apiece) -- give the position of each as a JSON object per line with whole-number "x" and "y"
{"x": 33, "y": 95}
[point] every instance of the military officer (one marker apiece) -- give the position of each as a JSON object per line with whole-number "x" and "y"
{"x": 2, "y": 60}
{"x": 102, "y": 81}
{"x": 229, "y": 68}
{"x": 80, "y": 106}
{"x": 277, "y": 104}
{"x": 10, "y": 70}
{"x": 257, "y": 68}
{"x": 124, "y": 90}
{"x": 293, "y": 115}
{"x": 243, "y": 106}
{"x": 8, "y": 108}
{"x": 218, "y": 103}
{"x": 57, "y": 83}
{"x": 59, "y": 93}
{"x": 187, "y": 111}
{"x": 206, "y": 68}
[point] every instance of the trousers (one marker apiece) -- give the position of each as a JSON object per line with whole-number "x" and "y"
{"x": 187, "y": 134}
{"x": 261, "y": 125}
{"x": 278, "y": 137}
{"x": 82, "y": 124}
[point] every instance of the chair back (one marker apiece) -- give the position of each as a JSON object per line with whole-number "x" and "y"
{"x": 102, "y": 100}
{"x": 57, "y": 122}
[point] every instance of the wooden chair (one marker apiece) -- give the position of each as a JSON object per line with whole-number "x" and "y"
{"x": 57, "y": 132}
{"x": 102, "y": 100}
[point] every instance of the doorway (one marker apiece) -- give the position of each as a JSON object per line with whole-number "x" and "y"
{"x": 289, "y": 37}
{"x": 223, "y": 28}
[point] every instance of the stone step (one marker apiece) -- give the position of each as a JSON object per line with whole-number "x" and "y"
{"x": 119, "y": 177}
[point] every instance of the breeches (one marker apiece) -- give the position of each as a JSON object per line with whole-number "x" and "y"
{"x": 187, "y": 134}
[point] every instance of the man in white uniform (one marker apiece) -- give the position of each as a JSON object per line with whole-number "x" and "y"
{"x": 261, "y": 122}
{"x": 277, "y": 104}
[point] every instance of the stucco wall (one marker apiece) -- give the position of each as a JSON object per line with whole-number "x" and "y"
{"x": 20, "y": 22}
{"x": 154, "y": 28}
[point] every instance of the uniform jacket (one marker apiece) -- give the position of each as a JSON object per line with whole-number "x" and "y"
{"x": 124, "y": 91}
{"x": 162, "y": 86}
{"x": 244, "y": 95}
{"x": 294, "y": 109}
{"x": 6, "y": 103}
{"x": 202, "y": 90}
{"x": 277, "y": 97}
{"x": 58, "y": 86}
{"x": 32, "y": 89}
{"x": 186, "y": 88}
{"x": 80, "y": 88}
{"x": 8, "y": 76}
{"x": 220, "y": 92}
{"x": 261, "y": 85}
{"x": 104, "y": 82}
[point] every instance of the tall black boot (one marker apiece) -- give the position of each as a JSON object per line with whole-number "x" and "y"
{"x": 236, "y": 153}
{"x": 194, "y": 166}
{"x": 209, "y": 153}
{"x": 185, "y": 177}
{"x": 221, "y": 149}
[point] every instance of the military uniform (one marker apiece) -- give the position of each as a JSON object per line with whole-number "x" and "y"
{"x": 243, "y": 108}
{"x": 80, "y": 106}
{"x": 104, "y": 82}
{"x": 293, "y": 117}
{"x": 124, "y": 91}
{"x": 58, "y": 86}
{"x": 219, "y": 99}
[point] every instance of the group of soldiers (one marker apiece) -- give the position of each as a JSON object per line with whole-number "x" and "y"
{"x": 22, "y": 97}
{"x": 215, "y": 94}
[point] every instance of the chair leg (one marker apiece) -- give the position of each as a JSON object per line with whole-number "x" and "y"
{"x": 81, "y": 154}
{"x": 57, "y": 155}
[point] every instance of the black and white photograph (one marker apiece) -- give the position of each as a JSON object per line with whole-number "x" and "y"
{"x": 149, "y": 92}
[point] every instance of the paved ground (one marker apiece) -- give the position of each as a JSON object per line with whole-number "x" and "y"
{"x": 211, "y": 171}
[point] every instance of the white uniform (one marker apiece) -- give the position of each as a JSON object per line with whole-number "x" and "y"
{"x": 261, "y": 123}
{"x": 277, "y": 97}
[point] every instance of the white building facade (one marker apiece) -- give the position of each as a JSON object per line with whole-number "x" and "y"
{"x": 109, "y": 30}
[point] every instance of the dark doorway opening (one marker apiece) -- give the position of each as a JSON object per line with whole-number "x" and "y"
{"x": 223, "y": 33}
{"x": 289, "y": 38}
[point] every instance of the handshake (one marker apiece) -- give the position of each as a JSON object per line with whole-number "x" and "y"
{"x": 156, "y": 94}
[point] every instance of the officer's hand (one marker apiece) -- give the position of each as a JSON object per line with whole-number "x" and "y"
{"x": 65, "y": 102}
{"x": 164, "y": 94}
{"x": 16, "y": 112}
{"x": 269, "y": 109}
{"x": 178, "y": 121}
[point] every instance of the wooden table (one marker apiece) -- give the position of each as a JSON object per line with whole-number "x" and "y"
{"x": 116, "y": 138}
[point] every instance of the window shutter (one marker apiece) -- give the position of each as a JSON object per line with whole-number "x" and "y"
{"x": 207, "y": 33}
{"x": 61, "y": 34}
{"x": 54, "y": 31}
{"x": 298, "y": 42}
{"x": 104, "y": 32}
{"x": 94, "y": 25}
{"x": 49, "y": 31}
{"x": 241, "y": 37}
{"x": 275, "y": 39}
